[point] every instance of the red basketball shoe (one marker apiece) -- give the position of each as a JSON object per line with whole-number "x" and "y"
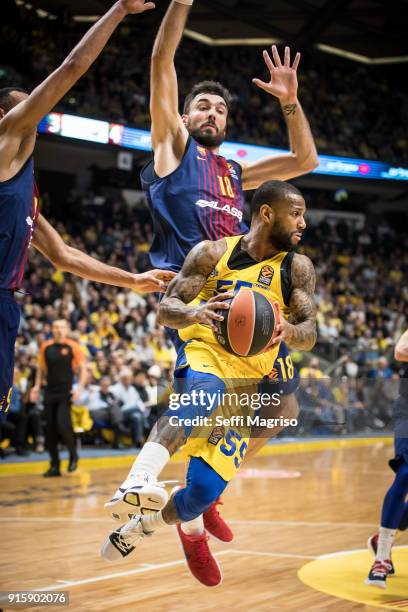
{"x": 215, "y": 524}
{"x": 200, "y": 561}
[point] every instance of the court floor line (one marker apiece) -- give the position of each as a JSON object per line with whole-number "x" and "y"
{"x": 159, "y": 566}
{"x": 302, "y": 523}
{"x": 141, "y": 570}
{"x": 78, "y": 519}
{"x": 272, "y": 554}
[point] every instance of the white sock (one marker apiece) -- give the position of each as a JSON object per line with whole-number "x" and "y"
{"x": 148, "y": 464}
{"x": 194, "y": 527}
{"x": 151, "y": 522}
{"x": 385, "y": 542}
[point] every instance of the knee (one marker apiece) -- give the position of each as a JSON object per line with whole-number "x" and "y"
{"x": 193, "y": 500}
{"x": 402, "y": 477}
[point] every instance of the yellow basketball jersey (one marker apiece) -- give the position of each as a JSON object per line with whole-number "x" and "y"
{"x": 234, "y": 270}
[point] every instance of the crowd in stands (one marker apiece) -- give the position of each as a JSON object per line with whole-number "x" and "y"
{"x": 361, "y": 300}
{"x": 354, "y": 110}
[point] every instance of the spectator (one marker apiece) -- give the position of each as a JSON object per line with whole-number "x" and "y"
{"x": 105, "y": 410}
{"x": 132, "y": 407}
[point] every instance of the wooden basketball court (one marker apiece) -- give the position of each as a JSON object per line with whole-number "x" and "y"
{"x": 288, "y": 507}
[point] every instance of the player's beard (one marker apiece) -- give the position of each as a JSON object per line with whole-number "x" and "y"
{"x": 210, "y": 139}
{"x": 281, "y": 238}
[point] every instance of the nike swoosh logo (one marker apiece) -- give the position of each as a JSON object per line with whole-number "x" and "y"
{"x": 152, "y": 500}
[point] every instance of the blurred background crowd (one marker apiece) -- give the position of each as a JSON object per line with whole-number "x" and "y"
{"x": 347, "y": 385}
{"x": 353, "y": 110}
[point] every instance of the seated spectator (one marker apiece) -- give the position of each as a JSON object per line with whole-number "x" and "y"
{"x": 133, "y": 409}
{"x": 18, "y": 418}
{"x": 312, "y": 370}
{"x": 105, "y": 410}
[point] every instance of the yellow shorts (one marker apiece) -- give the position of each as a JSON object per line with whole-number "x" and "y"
{"x": 222, "y": 438}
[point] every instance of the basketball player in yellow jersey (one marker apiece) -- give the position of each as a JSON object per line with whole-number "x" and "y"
{"x": 192, "y": 305}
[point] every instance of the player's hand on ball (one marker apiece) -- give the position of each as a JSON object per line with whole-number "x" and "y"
{"x": 281, "y": 326}
{"x": 152, "y": 281}
{"x": 283, "y": 82}
{"x": 132, "y": 7}
{"x": 207, "y": 313}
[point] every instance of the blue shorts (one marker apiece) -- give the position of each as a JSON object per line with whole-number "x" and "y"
{"x": 400, "y": 416}
{"x": 9, "y": 322}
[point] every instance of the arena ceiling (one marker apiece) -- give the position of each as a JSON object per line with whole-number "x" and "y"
{"x": 369, "y": 31}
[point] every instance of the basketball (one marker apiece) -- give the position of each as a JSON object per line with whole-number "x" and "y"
{"x": 249, "y": 324}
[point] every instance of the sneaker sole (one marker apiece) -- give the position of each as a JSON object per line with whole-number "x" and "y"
{"x": 376, "y": 583}
{"x": 136, "y": 502}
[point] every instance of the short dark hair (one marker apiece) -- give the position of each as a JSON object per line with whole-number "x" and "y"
{"x": 271, "y": 192}
{"x": 6, "y": 100}
{"x": 210, "y": 87}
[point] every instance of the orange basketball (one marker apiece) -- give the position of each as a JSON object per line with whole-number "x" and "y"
{"x": 249, "y": 325}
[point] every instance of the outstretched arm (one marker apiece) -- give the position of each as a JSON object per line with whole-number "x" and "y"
{"x": 174, "y": 310}
{"x": 169, "y": 135}
{"x": 300, "y": 331}
{"x": 69, "y": 259}
{"x": 24, "y": 118}
{"x": 303, "y": 155}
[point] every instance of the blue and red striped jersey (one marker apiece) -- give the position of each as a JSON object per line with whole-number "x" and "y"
{"x": 18, "y": 214}
{"x": 201, "y": 200}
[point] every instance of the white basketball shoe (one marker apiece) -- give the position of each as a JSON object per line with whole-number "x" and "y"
{"x": 142, "y": 497}
{"x": 123, "y": 541}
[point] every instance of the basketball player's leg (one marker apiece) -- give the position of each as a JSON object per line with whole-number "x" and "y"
{"x": 394, "y": 510}
{"x": 186, "y": 506}
{"x": 284, "y": 381}
{"x": 140, "y": 489}
{"x": 9, "y": 322}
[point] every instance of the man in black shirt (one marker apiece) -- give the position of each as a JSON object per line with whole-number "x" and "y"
{"x": 59, "y": 360}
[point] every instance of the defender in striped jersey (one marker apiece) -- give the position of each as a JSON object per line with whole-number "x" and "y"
{"x": 196, "y": 194}
{"x": 20, "y": 221}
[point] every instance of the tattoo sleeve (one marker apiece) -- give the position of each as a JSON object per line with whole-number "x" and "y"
{"x": 301, "y": 332}
{"x": 200, "y": 262}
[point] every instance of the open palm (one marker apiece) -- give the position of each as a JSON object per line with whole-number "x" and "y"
{"x": 283, "y": 83}
{"x": 132, "y": 7}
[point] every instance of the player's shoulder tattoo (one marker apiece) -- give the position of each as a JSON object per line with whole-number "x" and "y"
{"x": 303, "y": 273}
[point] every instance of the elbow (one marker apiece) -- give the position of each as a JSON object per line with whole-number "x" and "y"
{"x": 161, "y": 319}
{"x": 60, "y": 259}
{"x": 401, "y": 354}
{"x": 160, "y": 58}
{"x": 309, "y": 164}
{"x": 74, "y": 67}
{"x": 312, "y": 342}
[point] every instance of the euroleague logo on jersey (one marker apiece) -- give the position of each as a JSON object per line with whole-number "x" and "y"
{"x": 230, "y": 210}
{"x": 266, "y": 275}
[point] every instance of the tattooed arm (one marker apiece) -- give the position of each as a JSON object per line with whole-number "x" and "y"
{"x": 174, "y": 310}
{"x": 300, "y": 331}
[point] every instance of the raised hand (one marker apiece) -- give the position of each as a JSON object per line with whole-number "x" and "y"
{"x": 132, "y": 7}
{"x": 283, "y": 83}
